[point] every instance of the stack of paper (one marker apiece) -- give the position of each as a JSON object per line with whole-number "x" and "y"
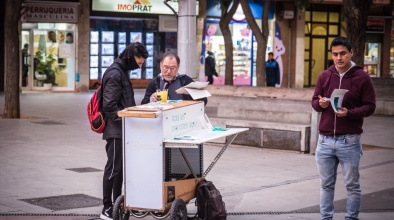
{"x": 195, "y": 89}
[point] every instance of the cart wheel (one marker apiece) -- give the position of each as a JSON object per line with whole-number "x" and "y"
{"x": 178, "y": 210}
{"x": 119, "y": 212}
{"x": 139, "y": 214}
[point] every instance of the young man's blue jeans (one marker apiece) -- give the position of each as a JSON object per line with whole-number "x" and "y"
{"x": 346, "y": 150}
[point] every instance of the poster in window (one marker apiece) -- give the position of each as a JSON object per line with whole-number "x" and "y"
{"x": 93, "y": 61}
{"x": 135, "y": 74}
{"x": 107, "y": 49}
{"x": 149, "y": 62}
{"x": 103, "y": 71}
{"x": 106, "y": 61}
{"x": 51, "y": 37}
{"x": 94, "y": 36}
{"x": 149, "y": 38}
{"x": 93, "y": 73}
{"x": 121, "y": 47}
{"x": 70, "y": 38}
{"x": 94, "y": 49}
{"x": 135, "y": 37}
{"x": 66, "y": 50}
{"x": 61, "y": 36}
{"x": 149, "y": 48}
{"x": 122, "y": 37}
{"x": 149, "y": 73}
{"x": 107, "y": 37}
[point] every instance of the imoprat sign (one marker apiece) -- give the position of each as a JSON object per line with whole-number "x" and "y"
{"x": 135, "y": 6}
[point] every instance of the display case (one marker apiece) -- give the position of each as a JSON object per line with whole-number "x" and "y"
{"x": 109, "y": 38}
{"x": 372, "y": 59}
{"x": 241, "y": 66}
{"x": 392, "y": 58}
{"x": 121, "y": 38}
{"x": 149, "y": 40}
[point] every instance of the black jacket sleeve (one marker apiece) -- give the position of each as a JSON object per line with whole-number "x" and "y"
{"x": 112, "y": 92}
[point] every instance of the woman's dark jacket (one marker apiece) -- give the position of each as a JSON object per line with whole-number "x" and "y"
{"x": 118, "y": 92}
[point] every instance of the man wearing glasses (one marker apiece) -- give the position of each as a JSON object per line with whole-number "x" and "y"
{"x": 169, "y": 79}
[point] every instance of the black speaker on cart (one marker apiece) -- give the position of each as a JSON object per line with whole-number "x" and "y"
{"x": 176, "y": 166}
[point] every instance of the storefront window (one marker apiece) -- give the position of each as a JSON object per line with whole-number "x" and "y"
{"x": 53, "y": 55}
{"x": 392, "y": 58}
{"x": 333, "y": 30}
{"x": 372, "y": 58}
{"x": 333, "y": 17}
{"x": 319, "y": 16}
{"x": 109, "y": 37}
{"x": 244, "y": 54}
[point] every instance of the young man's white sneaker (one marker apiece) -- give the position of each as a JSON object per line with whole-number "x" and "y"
{"x": 106, "y": 214}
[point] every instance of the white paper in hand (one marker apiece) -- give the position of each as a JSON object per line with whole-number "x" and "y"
{"x": 195, "y": 89}
{"x": 337, "y": 98}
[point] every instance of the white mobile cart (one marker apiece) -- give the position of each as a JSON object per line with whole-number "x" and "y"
{"x": 163, "y": 158}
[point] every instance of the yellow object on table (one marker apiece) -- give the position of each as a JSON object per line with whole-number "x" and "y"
{"x": 162, "y": 96}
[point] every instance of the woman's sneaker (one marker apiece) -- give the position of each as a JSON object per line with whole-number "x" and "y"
{"x": 106, "y": 214}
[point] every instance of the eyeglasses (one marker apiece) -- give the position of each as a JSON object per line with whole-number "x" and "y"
{"x": 172, "y": 68}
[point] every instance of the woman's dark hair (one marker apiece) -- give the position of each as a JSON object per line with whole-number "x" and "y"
{"x": 133, "y": 50}
{"x": 170, "y": 54}
{"x": 341, "y": 41}
{"x": 140, "y": 50}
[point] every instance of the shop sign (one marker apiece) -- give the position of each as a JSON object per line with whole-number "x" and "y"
{"x": 37, "y": 12}
{"x": 375, "y": 25}
{"x": 136, "y": 6}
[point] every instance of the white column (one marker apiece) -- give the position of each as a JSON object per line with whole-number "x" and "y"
{"x": 187, "y": 38}
{"x": 300, "y": 50}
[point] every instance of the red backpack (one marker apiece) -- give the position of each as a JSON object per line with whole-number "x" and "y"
{"x": 95, "y": 111}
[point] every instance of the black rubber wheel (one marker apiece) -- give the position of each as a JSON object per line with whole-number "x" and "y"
{"x": 178, "y": 210}
{"x": 119, "y": 212}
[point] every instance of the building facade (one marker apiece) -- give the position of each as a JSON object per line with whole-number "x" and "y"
{"x": 100, "y": 29}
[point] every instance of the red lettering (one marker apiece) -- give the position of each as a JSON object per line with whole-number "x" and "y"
{"x": 125, "y": 7}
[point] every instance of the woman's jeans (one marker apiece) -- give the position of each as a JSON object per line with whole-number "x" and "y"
{"x": 346, "y": 150}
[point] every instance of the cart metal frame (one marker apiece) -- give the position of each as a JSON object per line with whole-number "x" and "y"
{"x": 147, "y": 132}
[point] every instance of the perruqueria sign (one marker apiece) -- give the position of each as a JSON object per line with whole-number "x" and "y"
{"x": 44, "y": 12}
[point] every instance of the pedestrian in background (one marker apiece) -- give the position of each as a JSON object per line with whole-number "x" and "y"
{"x": 340, "y": 132}
{"x": 118, "y": 94}
{"x": 210, "y": 67}
{"x": 25, "y": 65}
{"x": 272, "y": 71}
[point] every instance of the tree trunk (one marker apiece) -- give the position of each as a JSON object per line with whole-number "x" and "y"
{"x": 261, "y": 38}
{"x": 224, "y": 22}
{"x": 12, "y": 59}
{"x": 356, "y": 13}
